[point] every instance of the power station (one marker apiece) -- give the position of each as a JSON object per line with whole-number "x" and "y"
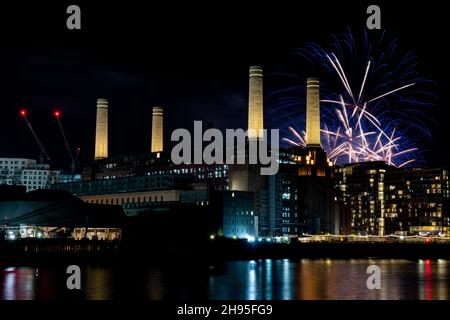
{"x": 298, "y": 199}
{"x": 294, "y": 201}
{"x": 303, "y": 197}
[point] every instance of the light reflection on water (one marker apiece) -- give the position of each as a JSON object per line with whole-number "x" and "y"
{"x": 327, "y": 279}
{"x": 264, "y": 279}
{"x": 18, "y": 284}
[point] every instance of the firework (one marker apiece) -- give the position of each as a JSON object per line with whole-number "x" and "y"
{"x": 372, "y": 107}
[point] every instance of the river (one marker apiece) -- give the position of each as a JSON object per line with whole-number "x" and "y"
{"x": 265, "y": 279}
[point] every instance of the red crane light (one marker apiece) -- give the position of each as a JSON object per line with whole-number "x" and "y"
{"x": 57, "y": 113}
{"x": 23, "y": 113}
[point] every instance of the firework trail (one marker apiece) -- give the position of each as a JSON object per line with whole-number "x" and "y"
{"x": 372, "y": 108}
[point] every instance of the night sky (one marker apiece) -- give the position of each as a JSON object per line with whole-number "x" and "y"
{"x": 192, "y": 59}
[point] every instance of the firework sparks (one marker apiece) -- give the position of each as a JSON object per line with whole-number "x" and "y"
{"x": 359, "y": 124}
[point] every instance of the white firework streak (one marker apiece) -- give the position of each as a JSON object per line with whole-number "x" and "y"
{"x": 343, "y": 142}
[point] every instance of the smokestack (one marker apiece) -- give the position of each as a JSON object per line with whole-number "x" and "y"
{"x": 101, "y": 130}
{"x": 312, "y": 113}
{"x": 157, "y": 129}
{"x": 255, "y": 103}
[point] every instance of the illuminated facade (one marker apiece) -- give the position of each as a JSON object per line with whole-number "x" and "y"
{"x": 255, "y": 103}
{"x": 103, "y": 234}
{"x": 246, "y": 177}
{"x": 235, "y": 214}
{"x": 419, "y": 199}
{"x": 101, "y": 130}
{"x": 360, "y": 187}
{"x": 299, "y": 198}
{"x": 157, "y": 129}
{"x": 312, "y": 113}
{"x": 57, "y": 214}
{"x": 384, "y": 200}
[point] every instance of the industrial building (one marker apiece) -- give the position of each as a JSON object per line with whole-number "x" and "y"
{"x": 308, "y": 195}
{"x": 296, "y": 200}
{"x": 299, "y": 198}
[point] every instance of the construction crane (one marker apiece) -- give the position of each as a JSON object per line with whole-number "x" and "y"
{"x": 43, "y": 155}
{"x": 77, "y": 154}
{"x": 73, "y": 158}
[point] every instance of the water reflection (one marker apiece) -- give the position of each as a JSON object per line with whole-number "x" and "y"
{"x": 18, "y": 283}
{"x": 252, "y": 286}
{"x": 432, "y": 279}
{"x": 325, "y": 279}
{"x": 263, "y": 279}
{"x": 97, "y": 279}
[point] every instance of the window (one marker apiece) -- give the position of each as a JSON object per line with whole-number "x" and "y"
{"x": 286, "y": 196}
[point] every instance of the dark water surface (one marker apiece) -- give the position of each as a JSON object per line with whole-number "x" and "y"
{"x": 264, "y": 279}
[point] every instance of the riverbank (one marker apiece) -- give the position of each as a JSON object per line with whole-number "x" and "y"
{"x": 215, "y": 250}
